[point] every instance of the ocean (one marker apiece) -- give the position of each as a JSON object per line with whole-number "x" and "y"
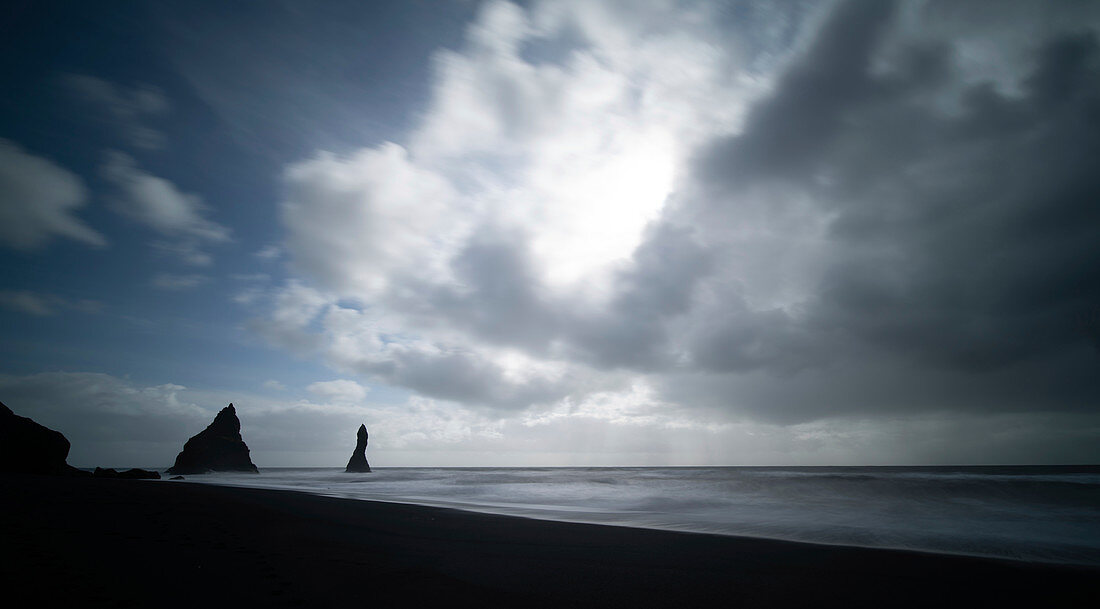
{"x": 1035, "y": 513}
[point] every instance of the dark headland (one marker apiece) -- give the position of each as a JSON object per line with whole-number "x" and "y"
{"x": 88, "y": 542}
{"x": 27, "y": 447}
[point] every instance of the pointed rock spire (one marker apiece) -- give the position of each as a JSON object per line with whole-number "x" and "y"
{"x": 358, "y": 461}
{"x": 218, "y": 448}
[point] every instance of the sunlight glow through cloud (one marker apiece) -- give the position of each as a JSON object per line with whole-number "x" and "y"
{"x": 600, "y": 205}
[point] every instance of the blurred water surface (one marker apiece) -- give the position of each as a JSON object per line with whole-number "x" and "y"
{"x": 1028, "y": 512}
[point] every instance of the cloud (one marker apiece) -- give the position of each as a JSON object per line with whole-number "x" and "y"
{"x": 463, "y": 264}
{"x": 109, "y": 421}
{"x": 188, "y": 251}
{"x": 35, "y": 303}
{"x": 161, "y": 206}
{"x": 114, "y": 422}
{"x": 273, "y": 385}
{"x": 786, "y": 133}
{"x": 25, "y": 301}
{"x": 858, "y": 232}
{"x": 130, "y": 108}
{"x": 958, "y": 227}
{"x": 309, "y": 322}
{"x": 252, "y": 287}
{"x": 269, "y": 252}
{"x": 289, "y": 317}
{"x": 169, "y": 281}
{"x": 853, "y": 219}
{"x": 37, "y": 201}
{"x": 157, "y": 203}
{"x": 341, "y": 390}
{"x": 355, "y": 221}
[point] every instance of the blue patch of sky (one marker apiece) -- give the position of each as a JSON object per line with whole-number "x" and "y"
{"x": 252, "y": 86}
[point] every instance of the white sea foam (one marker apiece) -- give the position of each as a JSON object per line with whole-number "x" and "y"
{"x": 1030, "y": 513}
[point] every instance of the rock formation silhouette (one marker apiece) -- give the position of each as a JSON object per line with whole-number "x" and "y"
{"x": 29, "y": 448}
{"x": 358, "y": 461}
{"x": 218, "y": 448}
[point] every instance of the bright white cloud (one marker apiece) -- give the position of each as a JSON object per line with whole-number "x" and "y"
{"x": 297, "y": 305}
{"x": 340, "y": 390}
{"x": 37, "y": 201}
{"x": 579, "y": 155}
{"x": 357, "y": 221}
{"x": 575, "y": 158}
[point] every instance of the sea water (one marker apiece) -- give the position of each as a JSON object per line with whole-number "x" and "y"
{"x": 1034, "y": 513}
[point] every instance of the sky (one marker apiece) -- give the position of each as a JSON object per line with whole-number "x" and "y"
{"x": 555, "y": 233}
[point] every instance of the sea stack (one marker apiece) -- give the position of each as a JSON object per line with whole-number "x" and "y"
{"x": 29, "y": 448}
{"x": 218, "y": 448}
{"x": 358, "y": 461}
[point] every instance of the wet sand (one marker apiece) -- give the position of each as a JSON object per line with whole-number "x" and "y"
{"x": 137, "y": 543}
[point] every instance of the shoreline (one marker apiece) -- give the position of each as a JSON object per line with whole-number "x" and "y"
{"x": 489, "y": 510}
{"x": 133, "y": 543}
{"x": 1005, "y": 543}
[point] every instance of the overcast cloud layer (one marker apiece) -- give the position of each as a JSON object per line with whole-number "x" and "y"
{"x": 860, "y": 232}
{"x": 882, "y": 228}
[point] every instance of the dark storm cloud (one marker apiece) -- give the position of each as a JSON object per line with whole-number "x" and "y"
{"x": 658, "y": 286}
{"x": 964, "y": 243}
{"x": 464, "y": 376}
{"x": 785, "y": 135}
{"x": 992, "y": 256}
{"x": 496, "y": 294}
{"x": 870, "y": 383}
{"x": 739, "y": 339}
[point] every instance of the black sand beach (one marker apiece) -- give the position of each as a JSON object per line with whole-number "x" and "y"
{"x": 120, "y": 543}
